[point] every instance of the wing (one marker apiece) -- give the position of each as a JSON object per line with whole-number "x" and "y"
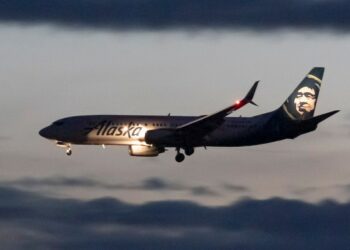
{"x": 206, "y": 124}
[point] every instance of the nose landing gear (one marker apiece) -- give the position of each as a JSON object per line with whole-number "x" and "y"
{"x": 67, "y": 146}
{"x": 69, "y": 151}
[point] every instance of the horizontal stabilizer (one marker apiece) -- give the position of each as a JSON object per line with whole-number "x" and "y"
{"x": 317, "y": 119}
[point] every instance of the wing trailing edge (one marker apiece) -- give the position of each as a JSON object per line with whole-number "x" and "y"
{"x": 200, "y": 127}
{"x": 218, "y": 117}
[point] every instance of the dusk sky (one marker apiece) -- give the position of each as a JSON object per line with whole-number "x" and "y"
{"x": 63, "y": 58}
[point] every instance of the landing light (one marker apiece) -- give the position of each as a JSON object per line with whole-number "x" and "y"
{"x": 238, "y": 102}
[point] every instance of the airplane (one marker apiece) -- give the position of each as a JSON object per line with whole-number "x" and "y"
{"x": 152, "y": 135}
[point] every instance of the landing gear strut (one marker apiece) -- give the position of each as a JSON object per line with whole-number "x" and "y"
{"x": 179, "y": 156}
{"x": 189, "y": 151}
{"x": 65, "y": 145}
{"x": 69, "y": 151}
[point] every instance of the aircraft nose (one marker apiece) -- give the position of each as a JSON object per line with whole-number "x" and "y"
{"x": 45, "y": 132}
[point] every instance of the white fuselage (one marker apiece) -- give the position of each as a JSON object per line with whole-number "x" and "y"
{"x": 131, "y": 130}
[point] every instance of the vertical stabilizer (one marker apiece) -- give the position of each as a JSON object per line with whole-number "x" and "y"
{"x": 301, "y": 104}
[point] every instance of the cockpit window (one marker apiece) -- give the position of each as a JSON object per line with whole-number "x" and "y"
{"x": 58, "y": 123}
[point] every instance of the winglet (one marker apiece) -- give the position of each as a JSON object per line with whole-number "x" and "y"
{"x": 248, "y": 98}
{"x": 250, "y": 95}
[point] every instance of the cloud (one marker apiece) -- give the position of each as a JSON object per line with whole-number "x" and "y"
{"x": 344, "y": 187}
{"x": 313, "y": 189}
{"x": 38, "y": 222}
{"x": 149, "y": 184}
{"x": 203, "y": 191}
{"x": 235, "y": 188}
{"x": 188, "y": 14}
{"x": 59, "y": 182}
{"x": 153, "y": 183}
{"x": 305, "y": 190}
{"x": 159, "y": 184}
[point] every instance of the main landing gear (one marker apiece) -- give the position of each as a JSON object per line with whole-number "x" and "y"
{"x": 180, "y": 157}
{"x": 189, "y": 151}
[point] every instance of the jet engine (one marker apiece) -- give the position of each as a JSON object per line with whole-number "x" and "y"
{"x": 161, "y": 136}
{"x": 138, "y": 150}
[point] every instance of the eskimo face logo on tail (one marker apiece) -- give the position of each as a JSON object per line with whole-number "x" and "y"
{"x": 305, "y": 100}
{"x": 301, "y": 103}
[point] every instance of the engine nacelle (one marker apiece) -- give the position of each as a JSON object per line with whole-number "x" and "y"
{"x": 161, "y": 136}
{"x": 147, "y": 151}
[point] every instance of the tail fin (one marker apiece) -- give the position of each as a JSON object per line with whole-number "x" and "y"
{"x": 301, "y": 104}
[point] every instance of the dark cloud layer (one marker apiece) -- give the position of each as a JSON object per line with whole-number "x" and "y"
{"x": 38, "y": 222}
{"x": 164, "y": 14}
{"x": 153, "y": 183}
{"x": 203, "y": 191}
{"x": 149, "y": 184}
{"x": 235, "y": 188}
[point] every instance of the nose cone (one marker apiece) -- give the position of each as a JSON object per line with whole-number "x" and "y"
{"x": 45, "y": 133}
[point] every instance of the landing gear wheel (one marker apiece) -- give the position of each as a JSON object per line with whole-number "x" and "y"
{"x": 180, "y": 157}
{"x": 69, "y": 151}
{"x": 189, "y": 151}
